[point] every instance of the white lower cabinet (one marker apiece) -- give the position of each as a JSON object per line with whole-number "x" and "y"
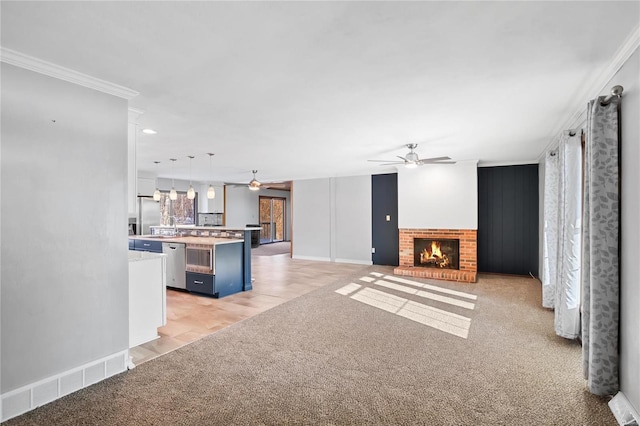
{"x": 147, "y": 296}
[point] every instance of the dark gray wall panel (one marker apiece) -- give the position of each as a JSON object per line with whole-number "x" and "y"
{"x": 384, "y": 235}
{"x": 508, "y": 219}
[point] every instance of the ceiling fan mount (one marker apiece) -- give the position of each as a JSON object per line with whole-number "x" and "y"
{"x": 411, "y": 159}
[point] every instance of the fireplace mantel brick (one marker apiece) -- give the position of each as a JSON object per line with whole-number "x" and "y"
{"x": 468, "y": 254}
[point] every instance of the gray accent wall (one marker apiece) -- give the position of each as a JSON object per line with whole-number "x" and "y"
{"x": 64, "y": 270}
{"x": 353, "y": 219}
{"x": 332, "y": 219}
{"x": 312, "y": 219}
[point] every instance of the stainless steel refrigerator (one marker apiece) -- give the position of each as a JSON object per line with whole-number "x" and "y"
{"x": 148, "y": 215}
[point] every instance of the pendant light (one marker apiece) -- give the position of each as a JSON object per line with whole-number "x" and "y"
{"x": 191, "y": 193}
{"x": 211, "y": 192}
{"x": 173, "y": 195}
{"x": 254, "y": 185}
{"x": 156, "y": 193}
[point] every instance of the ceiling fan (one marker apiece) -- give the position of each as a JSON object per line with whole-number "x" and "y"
{"x": 412, "y": 160}
{"x": 253, "y": 185}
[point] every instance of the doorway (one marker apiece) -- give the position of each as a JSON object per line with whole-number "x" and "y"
{"x": 272, "y": 219}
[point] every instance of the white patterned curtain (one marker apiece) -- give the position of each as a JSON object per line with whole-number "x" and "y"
{"x": 550, "y": 234}
{"x": 600, "y": 240}
{"x": 561, "y": 242}
{"x": 567, "y": 292}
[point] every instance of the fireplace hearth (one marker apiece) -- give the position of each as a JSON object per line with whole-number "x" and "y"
{"x": 436, "y": 253}
{"x": 426, "y": 262}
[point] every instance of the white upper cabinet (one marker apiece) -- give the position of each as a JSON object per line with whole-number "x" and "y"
{"x": 146, "y": 186}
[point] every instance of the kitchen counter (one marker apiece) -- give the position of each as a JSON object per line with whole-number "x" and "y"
{"x": 229, "y": 268}
{"x": 213, "y": 241}
{"x": 211, "y": 228}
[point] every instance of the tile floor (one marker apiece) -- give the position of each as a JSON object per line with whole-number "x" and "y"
{"x": 277, "y": 279}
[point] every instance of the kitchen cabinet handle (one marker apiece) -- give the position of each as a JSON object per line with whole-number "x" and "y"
{"x": 198, "y": 282}
{"x": 146, "y": 245}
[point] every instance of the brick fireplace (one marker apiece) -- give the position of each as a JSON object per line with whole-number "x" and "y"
{"x": 467, "y": 263}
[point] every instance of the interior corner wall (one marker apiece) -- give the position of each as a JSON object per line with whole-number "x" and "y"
{"x": 438, "y": 196}
{"x": 332, "y": 219}
{"x": 629, "y": 78}
{"x": 64, "y": 271}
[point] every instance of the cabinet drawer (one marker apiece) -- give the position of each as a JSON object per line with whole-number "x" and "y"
{"x": 148, "y": 245}
{"x": 201, "y": 283}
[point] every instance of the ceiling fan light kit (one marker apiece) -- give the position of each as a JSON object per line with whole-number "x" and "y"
{"x": 254, "y": 185}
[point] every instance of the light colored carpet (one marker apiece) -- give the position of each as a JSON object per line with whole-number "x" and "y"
{"x": 332, "y": 358}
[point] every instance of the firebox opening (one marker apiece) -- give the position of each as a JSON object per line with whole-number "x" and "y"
{"x": 436, "y": 253}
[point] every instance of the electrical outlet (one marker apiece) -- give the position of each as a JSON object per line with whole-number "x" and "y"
{"x": 388, "y": 218}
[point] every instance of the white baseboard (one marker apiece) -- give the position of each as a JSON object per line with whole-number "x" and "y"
{"x": 355, "y": 261}
{"x": 623, "y": 411}
{"x": 33, "y": 395}
{"x": 318, "y": 259}
{"x": 328, "y": 259}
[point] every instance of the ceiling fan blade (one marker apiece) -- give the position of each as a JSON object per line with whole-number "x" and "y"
{"x": 421, "y": 162}
{"x": 380, "y": 161}
{"x": 402, "y": 158}
{"x": 436, "y": 159}
{"x": 395, "y": 163}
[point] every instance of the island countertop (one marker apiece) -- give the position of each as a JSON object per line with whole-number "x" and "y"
{"x": 212, "y": 241}
{"x": 210, "y": 228}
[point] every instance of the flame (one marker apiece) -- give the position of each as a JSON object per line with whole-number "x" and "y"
{"x": 434, "y": 255}
{"x": 435, "y": 249}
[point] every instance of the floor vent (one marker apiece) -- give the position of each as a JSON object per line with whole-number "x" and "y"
{"x": 623, "y": 411}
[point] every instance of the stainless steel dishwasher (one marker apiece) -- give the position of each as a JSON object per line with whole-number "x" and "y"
{"x": 176, "y": 265}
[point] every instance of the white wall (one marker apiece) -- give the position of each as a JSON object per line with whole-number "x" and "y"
{"x": 629, "y": 78}
{"x": 332, "y": 219}
{"x": 438, "y": 196}
{"x": 64, "y": 264}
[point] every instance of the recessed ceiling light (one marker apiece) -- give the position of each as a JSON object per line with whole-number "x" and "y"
{"x": 149, "y": 131}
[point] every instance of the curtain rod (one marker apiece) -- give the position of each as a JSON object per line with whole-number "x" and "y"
{"x": 615, "y": 91}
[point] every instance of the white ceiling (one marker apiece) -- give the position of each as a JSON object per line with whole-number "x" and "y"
{"x": 314, "y": 89}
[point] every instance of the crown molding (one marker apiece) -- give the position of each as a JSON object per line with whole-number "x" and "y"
{"x": 31, "y": 63}
{"x": 595, "y": 87}
{"x": 134, "y": 114}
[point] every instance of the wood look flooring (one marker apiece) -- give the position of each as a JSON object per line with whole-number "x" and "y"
{"x": 277, "y": 279}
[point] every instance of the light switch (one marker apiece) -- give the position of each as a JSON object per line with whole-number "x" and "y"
{"x": 373, "y": 249}
{"x": 388, "y": 218}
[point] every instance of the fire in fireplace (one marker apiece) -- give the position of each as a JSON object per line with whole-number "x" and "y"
{"x": 436, "y": 253}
